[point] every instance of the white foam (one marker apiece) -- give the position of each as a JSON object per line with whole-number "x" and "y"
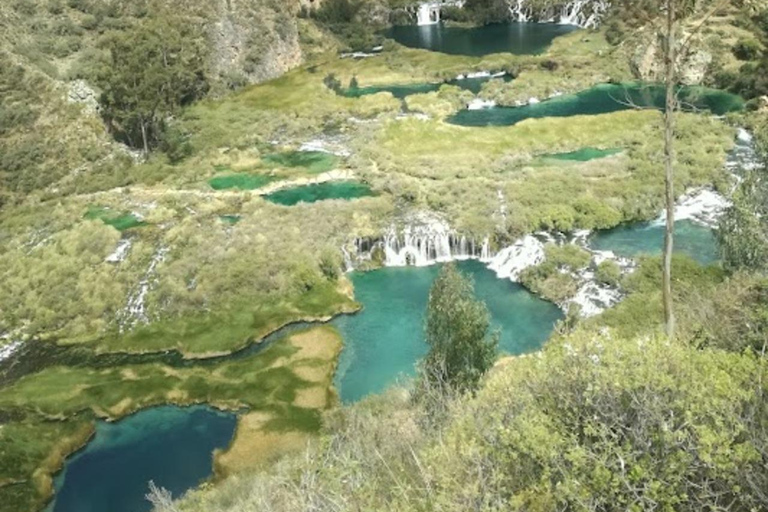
{"x": 480, "y": 104}
{"x": 6, "y": 351}
{"x": 120, "y": 252}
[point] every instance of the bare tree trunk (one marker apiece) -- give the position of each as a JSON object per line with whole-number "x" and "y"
{"x": 669, "y": 161}
{"x": 144, "y": 137}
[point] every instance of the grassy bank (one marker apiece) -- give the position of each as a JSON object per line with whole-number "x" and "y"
{"x": 279, "y": 394}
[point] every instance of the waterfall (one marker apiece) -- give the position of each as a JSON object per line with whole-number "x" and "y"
{"x": 583, "y": 13}
{"x": 704, "y": 205}
{"x": 426, "y": 240}
{"x": 512, "y": 260}
{"x": 480, "y": 104}
{"x": 520, "y": 12}
{"x": 120, "y": 252}
{"x": 135, "y": 311}
{"x": 428, "y": 13}
{"x": 6, "y": 351}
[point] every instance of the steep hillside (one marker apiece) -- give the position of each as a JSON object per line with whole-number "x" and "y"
{"x": 51, "y": 53}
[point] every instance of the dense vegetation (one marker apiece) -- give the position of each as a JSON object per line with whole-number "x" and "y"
{"x": 111, "y": 253}
{"x": 611, "y": 415}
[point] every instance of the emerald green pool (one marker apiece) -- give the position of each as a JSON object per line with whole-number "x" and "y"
{"x": 121, "y": 221}
{"x": 602, "y": 99}
{"x": 240, "y": 181}
{"x": 171, "y": 446}
{"x": 696, "y": 241}
{"x": 474, "y": 85}
{"x": 583, "y": 154}
{"x": 320, "y": 192}
{"x": 385, "y": 340}
{"x": 315, "y": 162}
{"x": 516, "y": 38}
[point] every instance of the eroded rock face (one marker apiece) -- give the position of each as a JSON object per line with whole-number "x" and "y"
{"x": 648, "y": 61}
{"x": 80, "y": 92}
{"x": 254, "y": 40}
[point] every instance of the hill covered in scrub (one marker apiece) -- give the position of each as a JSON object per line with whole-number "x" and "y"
{"x": 54, "y": 56}
{"x": 189, "y": 189}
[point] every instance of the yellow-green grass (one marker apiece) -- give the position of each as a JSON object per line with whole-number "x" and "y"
{"x": 581, "y": 59}
{"x": 233, "y": 328}
{"x": 458, "y": 170}
{"x": 56, "y": 407}
{"x": 31, "y": 450}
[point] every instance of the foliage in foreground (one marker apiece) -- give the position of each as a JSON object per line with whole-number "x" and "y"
{"x": 595, "y": 423}
{"x": 46, "y": 416}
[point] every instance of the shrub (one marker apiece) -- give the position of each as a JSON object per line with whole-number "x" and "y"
{"x": 549, "y": 65}
{"x": 453, "y": 13}
{"x": 608, "y": 273}
{"x": 747, "y": 49}
{"x": 175, "y": 144}
{"x": 330, "y": 264}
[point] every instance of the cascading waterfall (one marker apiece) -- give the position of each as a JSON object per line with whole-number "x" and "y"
{"x": 583, "y": 13}
{"x": 135, "y": 311}
{"x": 6, "y": 351}
{"x": 704, "y": 205}
{"x": 520, "y": 11}
{"x": 427, "y": 240}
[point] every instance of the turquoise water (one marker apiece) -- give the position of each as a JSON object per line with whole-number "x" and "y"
{"x": 583, "y": 154}
{"x": 474, "y": 85}
{"x": 321, "y": 192}
{"x": 171, "y": 446}
{"x": 696, "y": 241}
{"x": 517, "y": 38}
{"x": 398, "y": 91}
{"x": 315, "y": 162}
{"x": 241, "y": 181}
{"x": 385, "y": 340}
{"x": 601, "y": 99}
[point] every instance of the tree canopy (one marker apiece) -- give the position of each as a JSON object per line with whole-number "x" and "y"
{"x": 461, "y": 349}
{"x": 154, "y": 67}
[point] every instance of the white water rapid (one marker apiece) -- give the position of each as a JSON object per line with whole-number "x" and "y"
{"x": 582, "y": 13}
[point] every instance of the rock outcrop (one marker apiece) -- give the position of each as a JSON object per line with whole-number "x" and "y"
{"x": 647, "y": 63}
{"x": 254, "y": 40}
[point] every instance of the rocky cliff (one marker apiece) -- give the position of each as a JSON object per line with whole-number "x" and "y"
{"x": 256, "y": 40}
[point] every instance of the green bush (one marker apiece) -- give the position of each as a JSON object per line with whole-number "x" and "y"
{"x": 608, "y": 273}
{"x": 331, "y": 264}
{"x": 89, "y": 22}
{"x": 454, "y": 13}
{"x": 175, "y": 144}
{"x": 567, "y": 256}
{"x": 747, "y": 49}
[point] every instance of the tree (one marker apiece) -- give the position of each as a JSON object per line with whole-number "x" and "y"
{"x": 154, "y": 68}
{"x": 461, "y": 350}
{"x": 487, "y": 11}
{"x": 675, "y": 48}
{"x": 743, "y": 230}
